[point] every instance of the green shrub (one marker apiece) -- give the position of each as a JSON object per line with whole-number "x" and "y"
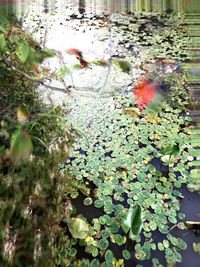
{"x": 34, "y": 143}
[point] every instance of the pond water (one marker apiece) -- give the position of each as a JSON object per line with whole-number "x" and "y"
{"x": 93, "y": 35}
{"x": 94, "y": 89}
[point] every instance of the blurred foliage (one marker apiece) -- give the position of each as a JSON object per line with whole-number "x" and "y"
{"x": 196, "y": 247}
{"x": 34, "y": 142}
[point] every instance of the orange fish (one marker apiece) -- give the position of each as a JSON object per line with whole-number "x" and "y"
{"x": 74, "y": 51}
{"x": 79, "y": 56}
{"x": 144, "y": 92}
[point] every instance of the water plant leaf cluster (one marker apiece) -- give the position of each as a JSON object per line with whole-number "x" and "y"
{"x": 137, "y": 162}
{"x": 120, "y": 162}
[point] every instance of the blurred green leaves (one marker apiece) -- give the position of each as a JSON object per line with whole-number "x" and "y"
{"x": 21, "y": 147}
{"x": 23, "y": 50}
{"x": 2, "y": 42}
{"x": 196, "y": 247}
{"x": 133, "y": 222}
{"x": 123, "y": 65}
{"x": 78, "y": 228}
{"x": 171, "y": 150}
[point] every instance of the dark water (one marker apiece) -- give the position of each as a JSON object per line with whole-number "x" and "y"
{"x": 190, "y": 205}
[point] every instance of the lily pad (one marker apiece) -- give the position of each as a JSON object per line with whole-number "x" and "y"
{"x": 103, "y": 244}
{"x": 126, "y": 254}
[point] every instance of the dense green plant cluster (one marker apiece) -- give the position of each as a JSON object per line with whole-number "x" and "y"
{"x": 34, "y": 141}
{"x": 157, "y": 36}
{"x": 119, "y": 160}
{"x": 138, "y": 162}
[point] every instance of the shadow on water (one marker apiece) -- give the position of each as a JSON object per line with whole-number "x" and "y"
{"x": 81, "y": 8}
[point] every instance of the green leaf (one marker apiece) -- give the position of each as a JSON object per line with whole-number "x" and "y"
{"x": 181, "y": 216}
{"x": 160, "y": 246}
{"x": 182, "y": 244}
{"x": 119, "y": 239}
{"x": 122, "y": 64}
{"x": 105, "y": 233}
{"x": 72, "y": 252}
{"x": 196, "y": 247}
{"x": 172, "y": 150}
{"x": 84, "y": 263}
{"x": 103, "y": 244}
{"x": 75, "y": 66}
{"x": 153, "y": 225}
{"x": 172, "y": 219}
{"x": 133, "y": 221}
{"x": 2, "y": 42}
{"x": 95, "y": 252}
{"x": 137, "y": 221}
{"x": 126, "y": 254}
{"x": 178, "y": 256}
{"x": 2, "y": 28}
{"x": 166, "y": 243}
{"x": 46, "y": 52}
{"x": 126, "y": 223}
{"x": 62, "y": 71}
{"x": 78, "y": 228}
{"x": 164, "y": 229}
{"x": 22, "y": 116}
{"x": 87, "y": 201}
{"x": 23, "y": 51}
{"x": 98, "y": 203}
{"x": 5, "y": 11}
{"x": 21, "y": 147}
{"x": 37, "y": 57}
{"x": 94, "y": 263}
{"x": 194, "y": 173}
{"x": 109, "y": 256}
{"x": 100, "y": 62}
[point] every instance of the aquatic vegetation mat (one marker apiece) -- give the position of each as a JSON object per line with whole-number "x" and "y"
{"x": 133, "y": 159}
{"x": 135, "y": 163}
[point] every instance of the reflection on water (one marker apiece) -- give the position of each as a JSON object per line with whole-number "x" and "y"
{"x": 112, "y": 6}
{"x": 91, "y": 34}
{"x": 81, "y": 6}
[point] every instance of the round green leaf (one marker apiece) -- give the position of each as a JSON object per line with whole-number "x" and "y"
{"x": 153, "y": 226}
{"x": 103, "y": 244}
{"x": 87, "y": 201}
{"x": 98, "y": 203}
{"x": 109, "y": 256}
{"x": 126, "y": 254}
{"x": 160, "y": 246}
